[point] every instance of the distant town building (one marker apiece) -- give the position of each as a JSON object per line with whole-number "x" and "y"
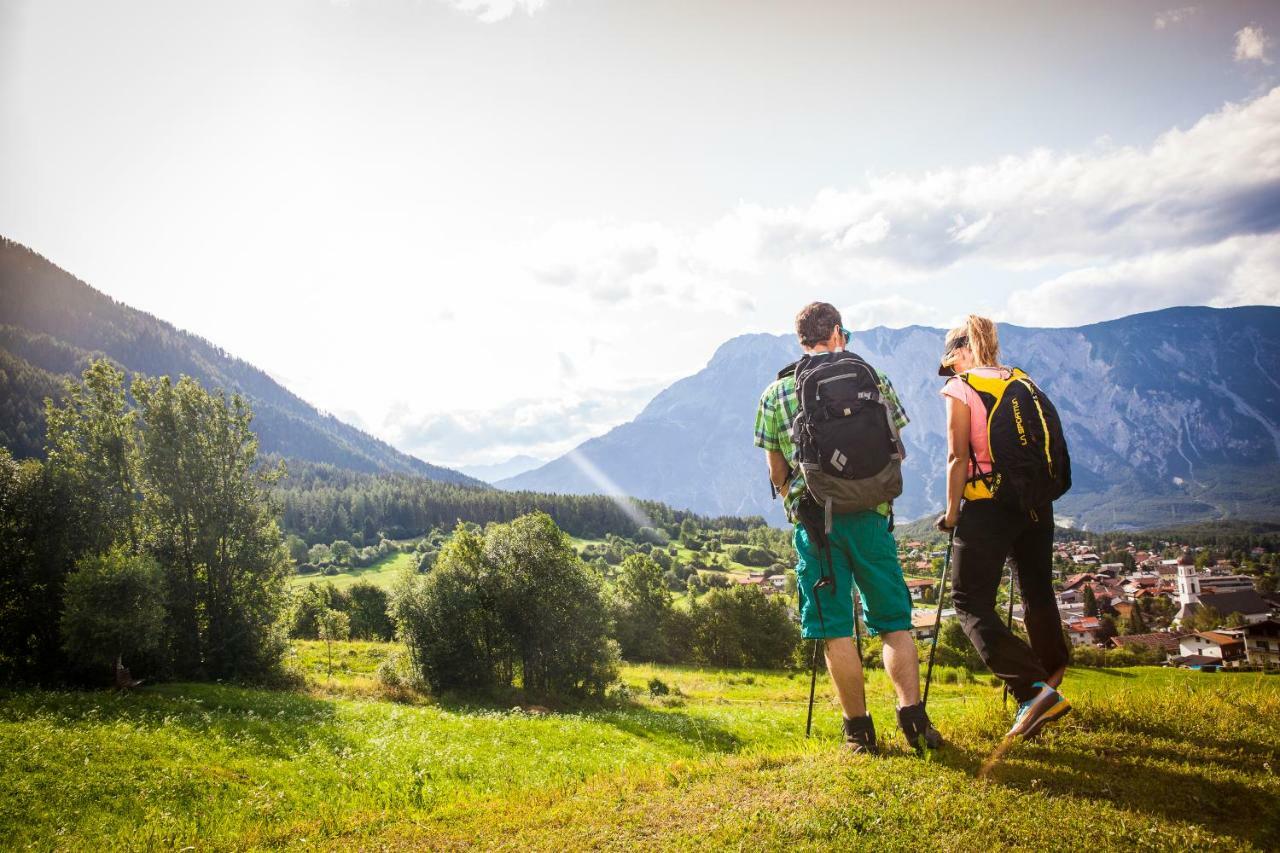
{"x": 1214, "y": 644}
{"x": 1262, "y": 644}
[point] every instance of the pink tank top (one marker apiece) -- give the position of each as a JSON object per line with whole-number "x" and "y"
{"x": 958, "y": 389}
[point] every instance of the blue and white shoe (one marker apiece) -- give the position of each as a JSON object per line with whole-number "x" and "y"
{"x": 1045, "y": 707}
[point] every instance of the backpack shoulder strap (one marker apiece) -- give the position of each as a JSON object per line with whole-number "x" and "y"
{"x": 790, "y": 369}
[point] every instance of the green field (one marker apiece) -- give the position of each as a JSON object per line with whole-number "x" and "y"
{"x": 383, "y": 573}
{"x": 1151, "y": 759}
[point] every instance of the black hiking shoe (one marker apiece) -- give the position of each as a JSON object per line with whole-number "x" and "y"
{"x": 860, "y": 735}
{"x": 918, "y": 729}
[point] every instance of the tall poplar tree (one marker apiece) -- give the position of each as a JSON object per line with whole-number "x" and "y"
{"x": 211, "y": 523}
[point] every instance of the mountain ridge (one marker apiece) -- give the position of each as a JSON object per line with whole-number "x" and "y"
{"x": 1172, "y": 415}
{"x": 52, "y": 323}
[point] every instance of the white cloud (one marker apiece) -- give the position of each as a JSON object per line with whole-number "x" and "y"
{"x": 1195, "y": 187}
{"x": 1237, "y": 271}
{"x": 638, "y": 263}
{"x": 1252, "y": 44}
{"x": 544, "y": 427}
{"x": 892, "y": 311}
{"x": 1173, "y": 17}
{"x": 492, "y": 11}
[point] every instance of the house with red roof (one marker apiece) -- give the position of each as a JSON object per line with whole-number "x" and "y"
{"x": 1213, "y": 644}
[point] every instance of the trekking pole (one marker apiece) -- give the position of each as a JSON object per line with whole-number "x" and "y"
{"x": 1009, "y": 625}
{"x": 813, "y": 684}
{"x": 857, "y": 629}
{"x": 937, "y": 621}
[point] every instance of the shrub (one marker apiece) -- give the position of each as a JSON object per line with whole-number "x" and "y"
{"x": 641, "y": 605}
{"x": 309, "y": 603}
{"x": 111, "y": 610}
{"x": 515, "y": 605}
{"x": 742, "y": 627}
{"x": 749, "y": 555}
{"x": 658, "y": 687}
{"x": 368, "y": 610}
{"x": 397, "y": 672}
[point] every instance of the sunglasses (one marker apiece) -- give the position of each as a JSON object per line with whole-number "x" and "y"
{"x": 945, "y": 368}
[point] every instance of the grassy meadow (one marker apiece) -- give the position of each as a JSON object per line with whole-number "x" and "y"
{"x": 1151, "y": 759}
{"x": 383, "y": 573}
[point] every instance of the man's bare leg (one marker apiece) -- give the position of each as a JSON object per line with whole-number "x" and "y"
{"x": 902, "y": 663}
{"x": 846, "y": 675}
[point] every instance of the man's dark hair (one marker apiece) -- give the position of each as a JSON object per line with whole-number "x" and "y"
{"x": 815, "y": 323}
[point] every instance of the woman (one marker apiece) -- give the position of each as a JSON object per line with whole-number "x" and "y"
{"x": 987, "y": 532}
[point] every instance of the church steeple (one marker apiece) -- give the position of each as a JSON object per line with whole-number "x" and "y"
{"x": 1188, "y": 588}
{"x": 1188, "y": 580}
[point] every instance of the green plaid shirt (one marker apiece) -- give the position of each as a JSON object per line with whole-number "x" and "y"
{"x": 779, "y": 405}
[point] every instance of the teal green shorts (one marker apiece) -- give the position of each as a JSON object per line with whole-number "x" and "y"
{"x": 863, "y": 553}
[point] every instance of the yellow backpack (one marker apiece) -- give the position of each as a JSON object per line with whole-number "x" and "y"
{"x": 1030, "y": 464}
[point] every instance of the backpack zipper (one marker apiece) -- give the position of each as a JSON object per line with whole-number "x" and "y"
{"x": 817, "y": 394}
{"x": 1044, "y": 423}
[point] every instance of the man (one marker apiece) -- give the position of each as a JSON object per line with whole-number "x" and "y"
{"x": 862, "y": 552}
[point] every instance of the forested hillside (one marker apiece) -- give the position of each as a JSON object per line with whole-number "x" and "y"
{"x": 323, "y": 503}
{"x": 52, "y": 325}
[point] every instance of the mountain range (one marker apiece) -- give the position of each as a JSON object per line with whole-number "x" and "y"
{"x": 52, "y": 324}
{"x": 496, "y": 471}
{"x": 1171, "y": 416}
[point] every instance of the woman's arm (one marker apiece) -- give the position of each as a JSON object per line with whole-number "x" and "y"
{"x": 957, "y": 459}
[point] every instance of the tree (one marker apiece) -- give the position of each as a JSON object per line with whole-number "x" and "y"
{"x": 368, "y": 611}
{"x": 716, "y": 580}
{"x": 80, "y": 502}
{"x": 1090, "y": 600}
{"x": 297, "y": 548}
{"x": 1123, "y": 557}
{"x": 319, "y": 554}
{"x": 92, "y": 444}
{"x": 1134, "y": 623}
{"x": 343, "y": 552}
{"x": 1235, "y": 620}
{"x": 689, "y": 534}
{"x": 112, "y": 615}
{"x": 1205, "y": 618}
{"x": 955, "y": 648}
{"x": 211, "y": 525}
{"x": 742, "y": 627}
{"x": 1107, "y": 628}
{"x": 334, "y": 625}
{"x": 40, "y": 540}
{"x": 310, "y": 602}
{"x": 642, "y": 604}
{"x": 516, "y": 604}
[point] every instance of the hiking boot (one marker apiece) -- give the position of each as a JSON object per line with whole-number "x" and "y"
{"x": 1045, "y": 707}
{"x": 860, "y": 735}
{"x": 918, "y": 729}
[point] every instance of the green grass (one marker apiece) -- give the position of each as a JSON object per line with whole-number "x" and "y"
{"x": 383, "y": 573}
{"x": 1151, "y": 759}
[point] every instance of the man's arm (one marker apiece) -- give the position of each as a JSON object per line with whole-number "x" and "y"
{"x": 767, "y": 429}
{"x": 778, "y": 470}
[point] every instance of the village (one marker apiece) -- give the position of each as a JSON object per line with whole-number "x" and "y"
{"x": 1194, "y": 610}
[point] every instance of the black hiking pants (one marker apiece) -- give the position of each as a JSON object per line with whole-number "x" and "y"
{"x": 987, "y": 533}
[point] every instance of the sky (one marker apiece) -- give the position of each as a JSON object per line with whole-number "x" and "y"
{"x": 482, "y": 228}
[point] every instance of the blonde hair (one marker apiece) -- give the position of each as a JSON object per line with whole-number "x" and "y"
{"x": 983, "y": 341}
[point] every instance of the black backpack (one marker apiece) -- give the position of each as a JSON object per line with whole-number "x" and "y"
{"x": 847, "y": 444}
{"x": 1031, "y": 466}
